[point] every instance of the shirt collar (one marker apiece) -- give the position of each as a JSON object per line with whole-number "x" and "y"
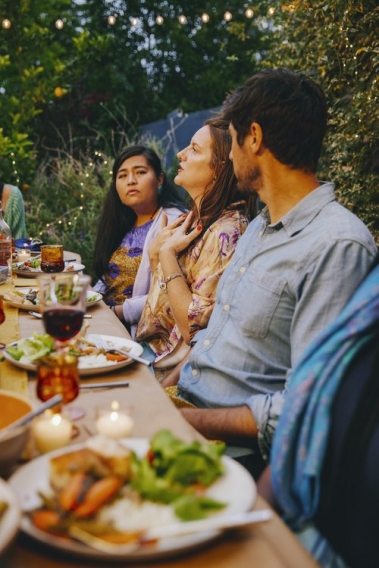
{"x": 304, "y": 212}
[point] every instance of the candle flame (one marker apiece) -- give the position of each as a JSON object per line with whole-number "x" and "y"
{"x": 56, "y": 419}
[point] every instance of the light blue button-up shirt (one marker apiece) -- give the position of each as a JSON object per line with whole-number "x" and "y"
{"x": 285, "y": 283}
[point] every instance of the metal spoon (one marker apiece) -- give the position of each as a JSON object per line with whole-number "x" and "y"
{"x": 38, "y": 315}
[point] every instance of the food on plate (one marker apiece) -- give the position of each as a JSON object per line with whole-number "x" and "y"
{"x": 18, "y": 298}
{"x": 109, "y": 491}
{"x": 34, "y": 265}
{"x": 30, "y": 297}
{"x": 27, "y": 351}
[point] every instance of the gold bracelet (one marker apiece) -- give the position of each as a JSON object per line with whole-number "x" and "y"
{"x": 163, "y": 283}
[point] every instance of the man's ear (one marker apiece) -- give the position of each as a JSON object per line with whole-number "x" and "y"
{"x": 256, "y": 135}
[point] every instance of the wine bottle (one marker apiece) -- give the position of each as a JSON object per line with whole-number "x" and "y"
{"x": 5, "y": 240}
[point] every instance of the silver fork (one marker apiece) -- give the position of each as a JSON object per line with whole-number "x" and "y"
{"x": 101, "y": 344}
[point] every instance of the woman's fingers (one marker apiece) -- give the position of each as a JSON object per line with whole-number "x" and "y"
{"x": 183, "y": 220}
{"x": 164, "y": 220}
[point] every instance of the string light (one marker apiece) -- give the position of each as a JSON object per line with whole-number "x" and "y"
{"x": 205, "y": 18}
{"x": 134, "y": 21}
{"x": 159, "y": 20}
{"x": 6, "y": 24}
{"x": 111, "y": 20}
{"x": 59, "y": 24}
{"x": 182, "y": 20}
{"x": 271, "y": 11}
{"x": 249, "y": 13}
{"x": 227, "y": 16}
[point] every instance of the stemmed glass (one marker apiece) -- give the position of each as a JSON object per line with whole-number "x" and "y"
{"x": 63, "y": 302}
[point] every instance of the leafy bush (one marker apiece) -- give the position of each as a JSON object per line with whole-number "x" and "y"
{"x": 65, "y": 200}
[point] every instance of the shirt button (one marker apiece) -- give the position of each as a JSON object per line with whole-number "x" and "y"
{"x": 226, "y": 308}
{"x": 243, "y": 269}
{"x": 194, "y": 372}
{"x": 206, "y": 342}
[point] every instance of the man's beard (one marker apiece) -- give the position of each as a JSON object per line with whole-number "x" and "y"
{"x": 250, "y": 183}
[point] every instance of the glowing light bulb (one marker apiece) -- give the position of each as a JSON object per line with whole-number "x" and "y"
{"x": 59, "y": 24}
{"x": 182, "y": 19}
{"x": 6, "y": 24}
{"x": 134, "y": 21}
{"x": 159, "y": 20}
{"x": 249, "y": 13}
{"x": 111, "y": 20}
{"x": 227, "y": 16}
{"x": 205, "y": 18}
{"x": 271, "y": 11}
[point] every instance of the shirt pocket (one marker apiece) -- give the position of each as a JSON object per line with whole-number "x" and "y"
{"x": 260, "y": 292}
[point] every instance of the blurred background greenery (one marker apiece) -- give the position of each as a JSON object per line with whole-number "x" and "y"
{"x": 71, "y": 98}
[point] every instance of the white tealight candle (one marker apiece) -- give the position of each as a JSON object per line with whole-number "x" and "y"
{"x": 51, "y": 432}
{"x": 113, "y": 423}
{"x": 23, "y": 255}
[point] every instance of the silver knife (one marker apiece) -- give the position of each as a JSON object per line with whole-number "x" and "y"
{"x": 109, "y": 384}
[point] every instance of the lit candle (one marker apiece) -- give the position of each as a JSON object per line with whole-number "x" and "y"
{"x": 51, "y": 431}
{"x": 23, "y": 255}
{"x": 113, "y": 423}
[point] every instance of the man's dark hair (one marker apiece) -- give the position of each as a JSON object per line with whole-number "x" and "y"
{"x": 291, "y": 110}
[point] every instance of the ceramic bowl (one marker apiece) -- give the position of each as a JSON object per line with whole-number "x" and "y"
{"x": 13, "y": 406}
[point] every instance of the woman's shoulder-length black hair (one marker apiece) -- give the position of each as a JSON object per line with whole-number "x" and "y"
{"x": 117, "y": 219}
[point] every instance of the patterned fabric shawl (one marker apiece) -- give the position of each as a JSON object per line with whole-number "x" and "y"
{"x": 301, "y": 437}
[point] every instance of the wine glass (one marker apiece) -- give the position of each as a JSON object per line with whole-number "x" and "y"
{"x": 63, "y": 302}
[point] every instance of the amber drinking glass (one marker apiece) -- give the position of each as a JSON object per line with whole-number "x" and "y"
{"x": 52, "y": 258}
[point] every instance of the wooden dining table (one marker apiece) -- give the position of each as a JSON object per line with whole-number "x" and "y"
{"x": 265, "y": 545}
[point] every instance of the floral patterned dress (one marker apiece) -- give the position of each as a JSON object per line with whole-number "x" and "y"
{"x": 123, "y": 267}
{"x": 202, "y": 265}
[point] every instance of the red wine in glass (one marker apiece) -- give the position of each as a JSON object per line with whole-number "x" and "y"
{"x": 63, "y": 302}
{"x": 63, "y": 323}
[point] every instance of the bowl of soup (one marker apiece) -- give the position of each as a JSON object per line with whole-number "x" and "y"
{"x": 12, "y": 407}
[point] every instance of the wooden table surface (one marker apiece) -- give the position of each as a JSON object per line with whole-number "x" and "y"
{"x": 267, "y": 545}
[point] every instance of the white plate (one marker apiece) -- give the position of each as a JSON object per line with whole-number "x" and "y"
{"x": 22, "y": 306}
{"x": 10, "y": 520}
{"x": 113, "y": 341}
{"x": 236, "y": 488}
{"x": 33, "y": 272}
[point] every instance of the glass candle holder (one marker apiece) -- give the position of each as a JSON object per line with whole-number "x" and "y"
{"x": 23, "y": 255}
{"x": 51, "y": 431}
{"x": 114, "y": 420}
{"x": 52, "y": 258}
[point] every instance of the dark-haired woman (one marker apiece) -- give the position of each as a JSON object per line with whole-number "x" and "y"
{"x": 138, "y": 196}
{"x": 190, "y": 254}
{"x": 325, "y": 457}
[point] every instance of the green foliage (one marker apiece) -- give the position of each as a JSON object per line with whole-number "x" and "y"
{"x": 336, "y": 42}
{"x": 65, "y": 201}
{"x": 79, "y": 88}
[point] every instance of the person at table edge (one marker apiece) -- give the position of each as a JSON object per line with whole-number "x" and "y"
{"x": 293, "y": 270}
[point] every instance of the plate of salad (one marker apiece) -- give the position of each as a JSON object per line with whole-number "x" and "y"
{"x": 160, "y": 482}
{"x": 27, "y": 298}
{"x": 92, "y": 360}
{"x": 31, "y": 268}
